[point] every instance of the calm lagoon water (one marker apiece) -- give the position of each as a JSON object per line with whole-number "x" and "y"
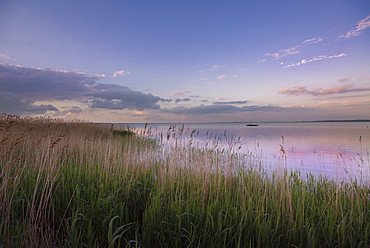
{"x": 338, "y": 150}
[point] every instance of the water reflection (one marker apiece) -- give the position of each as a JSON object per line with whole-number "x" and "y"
{"x": 338, "y": 150}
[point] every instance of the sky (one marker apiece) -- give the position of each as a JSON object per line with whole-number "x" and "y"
{"x": 185, "y": 61}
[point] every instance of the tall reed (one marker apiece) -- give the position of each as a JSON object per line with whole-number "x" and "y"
{"x": 75, "y": 184}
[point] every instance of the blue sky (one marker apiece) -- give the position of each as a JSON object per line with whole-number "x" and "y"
{"x": 185, "y": 61}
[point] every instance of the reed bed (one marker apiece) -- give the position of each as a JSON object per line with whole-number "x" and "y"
{"x": 76, "y": 184}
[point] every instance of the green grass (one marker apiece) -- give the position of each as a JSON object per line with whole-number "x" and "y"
{"x": 74, "y": 184}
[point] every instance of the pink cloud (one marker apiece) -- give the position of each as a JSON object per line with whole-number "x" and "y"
{"x": 221, "y": 77}
{"x": 181, "y": 92}
{"x": 4, "y": 56}
{"x": 302, "y": 90}
{"x": 342, "y": 80}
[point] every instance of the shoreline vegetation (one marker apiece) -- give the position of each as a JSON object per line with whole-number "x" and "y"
{"x": 76, "y": 184}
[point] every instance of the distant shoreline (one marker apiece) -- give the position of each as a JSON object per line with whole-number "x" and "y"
{"x": 317, "y": 121}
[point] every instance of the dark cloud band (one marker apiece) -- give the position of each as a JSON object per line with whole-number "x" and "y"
{"x": 20, "y": 87}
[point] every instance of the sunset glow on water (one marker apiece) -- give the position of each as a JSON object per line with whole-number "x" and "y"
{"x": 338, "y": 150}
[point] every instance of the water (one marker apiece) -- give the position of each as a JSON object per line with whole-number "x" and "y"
{"x": 338, "y": 150}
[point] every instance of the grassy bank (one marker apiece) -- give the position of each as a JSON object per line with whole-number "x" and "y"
{"x": 74, "y": 184}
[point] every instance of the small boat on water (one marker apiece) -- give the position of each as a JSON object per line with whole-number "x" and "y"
{"x": 252, "y": 125}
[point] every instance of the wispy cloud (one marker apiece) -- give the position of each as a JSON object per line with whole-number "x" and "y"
{"x": 232, "y": 102}
{"x": 313, "y": 40}
{"x": 316, "y": 58}
{"x": 361, "y": 25}
{"x": 120, "y": 73}
{"x": 364, "y": 78}
{"x": 293, "y": 50}
{"x": 284, "y": 52}
{"x": 181, "y": 93}
{"x": 290, "y": 51}
{"x": 302, "y": 90}
{"x": 221, "y": 77}
{"x": 216, "y": 67}
{"x": 202, "y": 79}
{"x": 343, "y": 80}
{"x": 352, "y": 102}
